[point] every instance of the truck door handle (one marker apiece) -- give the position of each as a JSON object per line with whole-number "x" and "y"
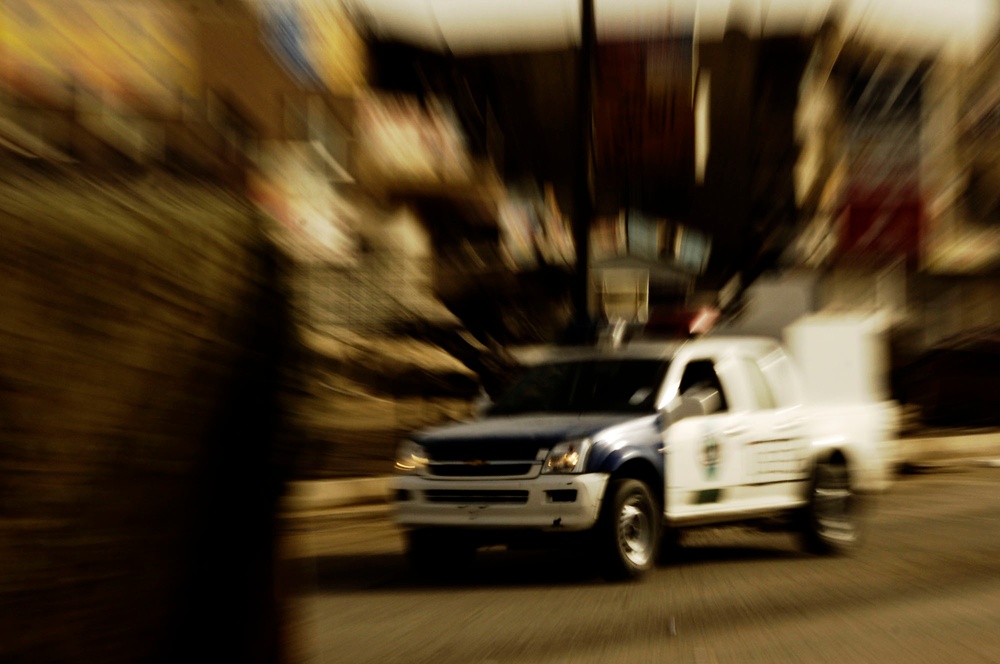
{"x": 735, "y": 431}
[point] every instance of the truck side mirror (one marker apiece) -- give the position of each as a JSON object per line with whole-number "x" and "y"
{"x": 695, "y": 403}
{"x": 640, "y": 395}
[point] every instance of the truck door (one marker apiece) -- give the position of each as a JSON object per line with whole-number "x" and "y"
{"x": 703, "y": 453}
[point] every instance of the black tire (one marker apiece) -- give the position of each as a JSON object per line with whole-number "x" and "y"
{"x": 832, "y": 521}
{"x": 628, "y": 531}
{"x": 439, "y": 554}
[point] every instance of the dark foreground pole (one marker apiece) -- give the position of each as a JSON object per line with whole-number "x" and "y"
{"x": 583, "y": 170}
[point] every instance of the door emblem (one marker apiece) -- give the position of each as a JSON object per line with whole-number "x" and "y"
{"x": 711, "y": 455}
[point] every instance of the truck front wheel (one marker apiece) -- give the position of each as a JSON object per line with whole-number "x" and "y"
{"x": 628, "y": 531}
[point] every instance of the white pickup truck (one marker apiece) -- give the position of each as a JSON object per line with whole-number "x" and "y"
{"x": 616, "y": 448}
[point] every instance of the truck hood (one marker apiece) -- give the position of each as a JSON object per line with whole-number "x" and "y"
{"x": 511, "y": 437}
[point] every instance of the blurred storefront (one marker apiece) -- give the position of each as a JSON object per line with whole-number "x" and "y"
{"x": 892, "y": 185}
{"x": 269, "y": 101}
{"x": 424, "y": 197}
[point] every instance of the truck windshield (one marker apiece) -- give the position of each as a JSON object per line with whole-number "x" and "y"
{"x": 588, "y": 386}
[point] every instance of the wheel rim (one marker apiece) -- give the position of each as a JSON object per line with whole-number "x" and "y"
{"x": 834, "y": 506}
{"x": 635, "y": 535}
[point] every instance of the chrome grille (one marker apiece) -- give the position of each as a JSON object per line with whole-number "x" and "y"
{"x": 476, "y": 496}
{"x": 487, "y": 450}
{"x": 483, "y": 469}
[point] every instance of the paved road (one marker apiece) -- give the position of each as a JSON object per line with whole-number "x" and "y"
{"x": 925, "y": 589}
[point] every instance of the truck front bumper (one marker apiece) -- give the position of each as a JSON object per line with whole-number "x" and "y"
{"x": 546, "y": 503}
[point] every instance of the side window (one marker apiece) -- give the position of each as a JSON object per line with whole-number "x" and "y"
{"x": 781, "y": 377}
{"x": 758, "y": 384}
{"x": 701, "y": 374}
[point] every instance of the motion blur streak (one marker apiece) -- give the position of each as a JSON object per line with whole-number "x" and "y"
{"x": 144, "y": 341}
{"x": 244, "y": 242}
{"x": 142, "y": 334}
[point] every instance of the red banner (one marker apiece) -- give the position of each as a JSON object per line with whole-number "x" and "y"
{"x": 874, "y": 229}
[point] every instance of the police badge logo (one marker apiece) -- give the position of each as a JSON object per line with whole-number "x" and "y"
{"x": 711, "y": 455}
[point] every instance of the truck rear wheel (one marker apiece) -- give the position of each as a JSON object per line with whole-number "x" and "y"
{"x": 628, "y": 532}
{"x": 831, "y": 522}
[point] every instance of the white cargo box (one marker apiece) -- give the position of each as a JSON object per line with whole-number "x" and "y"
{"x": 842, "y": 358}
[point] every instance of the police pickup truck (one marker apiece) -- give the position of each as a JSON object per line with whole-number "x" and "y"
{"x": 621, "y": 447}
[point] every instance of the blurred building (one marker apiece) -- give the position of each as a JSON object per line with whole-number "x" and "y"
{"x": 747, "y": 200}
{"x": 863, "y": 218}
{"x": 883, "y": 147}
{"x": 426, "y": 197}
{"x": 269, "y": 101}
{"x": 892, "y": 184}
{"x": 145, "y": 341}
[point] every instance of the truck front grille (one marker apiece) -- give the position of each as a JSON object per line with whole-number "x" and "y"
{"x": 484, "y": 469}
{"x": 488, "y": 450}
{"x": 476, "y": 496}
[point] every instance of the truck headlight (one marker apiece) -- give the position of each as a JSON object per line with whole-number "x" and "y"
{"x": 410, "y": 457}
{"x": 567, "y": 457}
